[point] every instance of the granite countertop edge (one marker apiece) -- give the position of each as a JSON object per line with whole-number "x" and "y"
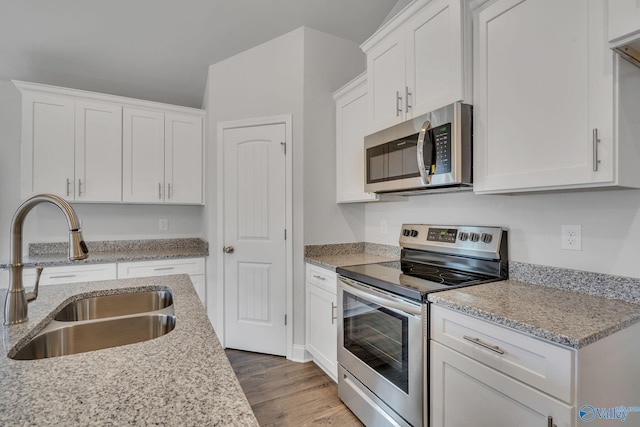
{"x": 527, "y": 325}
{"x": 186, "y": 371}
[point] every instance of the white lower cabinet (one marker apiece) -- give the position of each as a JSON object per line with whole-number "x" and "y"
{"x": 321, "y": 318}
{"x": 194, "y": 267}
{"x": 484, "y": 374}
{"x": 70, "y": 274}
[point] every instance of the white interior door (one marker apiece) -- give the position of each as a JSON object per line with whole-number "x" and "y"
{"x": 254, "y": 226}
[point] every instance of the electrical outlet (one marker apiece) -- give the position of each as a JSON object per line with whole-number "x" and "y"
{"x": 163, "y": 224}
{"x": 383, "y": 226}
{"x": 571, "y": 237}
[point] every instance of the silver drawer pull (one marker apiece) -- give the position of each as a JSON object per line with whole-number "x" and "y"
{"x": 319, "y": 277}
{"x": 483, "y": 344}
{"x": 333, "y": 312}
{"x": 163, "y": 268}
{"x": 64, "y": 276}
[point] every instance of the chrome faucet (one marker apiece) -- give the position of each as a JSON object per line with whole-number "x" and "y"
{"x": 16, "y": 303}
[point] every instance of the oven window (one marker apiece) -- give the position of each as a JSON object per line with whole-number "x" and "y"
{"x": 378, "y": 337}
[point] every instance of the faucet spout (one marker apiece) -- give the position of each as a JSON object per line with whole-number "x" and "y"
{"x": 15, "y": 306}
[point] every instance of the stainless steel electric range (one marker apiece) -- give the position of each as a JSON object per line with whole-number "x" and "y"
{"x": 383, "y": 327}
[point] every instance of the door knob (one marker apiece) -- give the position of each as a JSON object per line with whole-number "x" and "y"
{"x": 228, "y": 249}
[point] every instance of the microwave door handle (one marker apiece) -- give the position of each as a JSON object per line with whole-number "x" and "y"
{"x": 424, "y": 135}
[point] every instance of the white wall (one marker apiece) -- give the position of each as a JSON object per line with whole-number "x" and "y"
{"x": 99, "y": 221}
{"x": 610, "y": 222}
{"x": 292, "y": 74}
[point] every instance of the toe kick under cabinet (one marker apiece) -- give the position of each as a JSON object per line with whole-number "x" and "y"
{"x": 484, "y": 374}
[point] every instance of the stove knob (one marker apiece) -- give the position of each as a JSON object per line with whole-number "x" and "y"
{"x": 414, "y": 233}
{"x": 405, "y": 232}
{"x": 486, "y": 238}
{"x": 463, "y": 236}
{"x": 474, "y": 237}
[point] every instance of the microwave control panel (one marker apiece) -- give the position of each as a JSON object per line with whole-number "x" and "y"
{"x": 441, "y": 137}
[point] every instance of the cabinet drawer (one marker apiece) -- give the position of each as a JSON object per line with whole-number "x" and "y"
{"x": 190, "y": 266}
{"x": 322, "y": 277}
{"x": 542, "y": 365}
{"x": 70, "y": 274}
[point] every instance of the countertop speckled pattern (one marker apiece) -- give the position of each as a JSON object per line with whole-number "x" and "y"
{"x": 344, "y": 254}
{"x": 565, "y": 317}
{"x": 54, "y": 254}
{"x": 182, "y": 378}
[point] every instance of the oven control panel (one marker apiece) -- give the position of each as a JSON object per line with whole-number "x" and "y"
{"x": 472, "y": 240}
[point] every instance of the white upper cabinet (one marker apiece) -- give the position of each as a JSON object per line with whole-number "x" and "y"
{"x": 47, "y": 144}
{"x": 183, "y": 158}
{"x": 545, "y": 82}
{"x": 624, "y": 19}
{"x": 417, "y": 63}
{"x": 91, "y": 147}
{"x": 351, "y": 124}
{"x": 143, "y": 156}
{"x": 98, "y": 152}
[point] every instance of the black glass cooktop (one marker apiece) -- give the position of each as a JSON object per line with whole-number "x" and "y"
{"x": 411, "y": 279}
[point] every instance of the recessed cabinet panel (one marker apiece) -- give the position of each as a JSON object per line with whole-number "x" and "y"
{"x": 183, "y": 159}
{"x": 143, "y": 156}
{"x": 386, "y": 70}
{"x": 98, "y": 148}
{"x": 48, "y": 145}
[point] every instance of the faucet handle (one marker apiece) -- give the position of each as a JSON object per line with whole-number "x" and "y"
{"x": 33, "y": 295}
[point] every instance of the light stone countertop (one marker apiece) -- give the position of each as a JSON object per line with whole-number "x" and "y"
{"x": 565, "y": 317}
{"x": 182, "y": 378}
{"x": 344, "y": 254}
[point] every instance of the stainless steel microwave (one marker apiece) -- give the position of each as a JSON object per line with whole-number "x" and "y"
{"x": 431, "y": 152}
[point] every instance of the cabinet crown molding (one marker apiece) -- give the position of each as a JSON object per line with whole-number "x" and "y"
{"x": 95, "y": 96}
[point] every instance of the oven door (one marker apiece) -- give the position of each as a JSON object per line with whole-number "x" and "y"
{"x": 381, "y": 343}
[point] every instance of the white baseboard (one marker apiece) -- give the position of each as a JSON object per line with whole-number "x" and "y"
{"x": 299, "y": 354}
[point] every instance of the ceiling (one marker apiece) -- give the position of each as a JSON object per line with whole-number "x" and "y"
{"x": 158, "y": 49}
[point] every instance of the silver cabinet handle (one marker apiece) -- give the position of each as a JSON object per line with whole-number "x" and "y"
{"x": 228, "y": 249}
{"x": 319, "y": 277}
{"x": 63, "y": 276}
{"x": 79, "y": 187}
{"x": 333, "y": 313}
{"x": 168, "y": 190}
{"x": 550, "y": 422}
{"x": 163, "y": 268}
{"x": 160, "y": 190}
{"x": 407, "y": 94}
{"x": 483, "y": 344}
{"x": 595, "y": 141}
{"x": 398, "y": 104}
{"x": 68, "y": 187}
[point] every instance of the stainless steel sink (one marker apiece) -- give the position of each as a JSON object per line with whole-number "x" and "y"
{"x": 59, "y": 339}
{"x": 115, "y": 305}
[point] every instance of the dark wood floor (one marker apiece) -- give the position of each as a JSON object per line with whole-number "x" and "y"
{"x": 285, "y": 393}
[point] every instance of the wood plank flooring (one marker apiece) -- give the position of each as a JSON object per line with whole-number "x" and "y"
{"x": 286, "y": 393}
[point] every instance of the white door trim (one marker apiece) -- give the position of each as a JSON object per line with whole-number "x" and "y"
{"x": 234, "y": 124}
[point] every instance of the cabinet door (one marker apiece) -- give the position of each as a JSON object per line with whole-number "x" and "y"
{"x": 351, "y": 125}
{"x": 542, "y": 90}
{"x": 321, "y": 330}
{"x": 386, "y": 82}
{"x": 142, "y": 156}
{"x": 98, "y": 148}
{"x": 434, "y": 52}
{"x": 624, "y": 19}
{"x": 70, "y": 274}
{"x": 465, "y": 393}
{"x": 183, "y": 158}
{"x": 190, "y": 266}
{"x": 47, "y": 145}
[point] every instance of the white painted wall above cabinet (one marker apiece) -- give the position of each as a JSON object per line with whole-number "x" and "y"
{"x": 418, "y": 61}
{"x": 351, "y": 124}
{"x": 91, "y": 147}
{"x": 557, "y": 111}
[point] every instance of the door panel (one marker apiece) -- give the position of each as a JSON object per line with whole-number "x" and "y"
{"x": 254, "y": 225}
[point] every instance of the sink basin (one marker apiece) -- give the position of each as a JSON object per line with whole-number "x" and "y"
{"x": 73, "y": 338}
{"x": 115, "y": 305}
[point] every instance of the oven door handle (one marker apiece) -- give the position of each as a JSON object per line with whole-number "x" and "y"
{"x": 380, "y": 298}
